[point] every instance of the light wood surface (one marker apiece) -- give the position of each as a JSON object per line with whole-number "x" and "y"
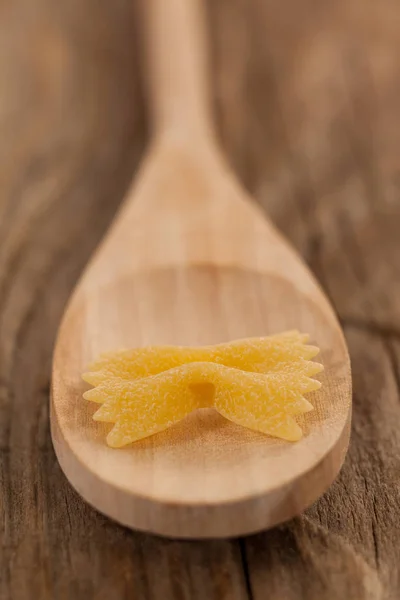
{"x": 191, "y": 261}
{"x": 306, "y": 103}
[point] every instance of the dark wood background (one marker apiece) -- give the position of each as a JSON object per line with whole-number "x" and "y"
{"x": 307, "y": 98}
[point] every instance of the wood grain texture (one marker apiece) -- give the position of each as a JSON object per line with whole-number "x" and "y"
{"x": 307, "y": 97}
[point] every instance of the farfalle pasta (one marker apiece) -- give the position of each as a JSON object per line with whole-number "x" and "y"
{"x": 258, "y": 383}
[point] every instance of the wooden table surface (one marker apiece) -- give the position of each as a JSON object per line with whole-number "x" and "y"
{"x": 307, "y": 104}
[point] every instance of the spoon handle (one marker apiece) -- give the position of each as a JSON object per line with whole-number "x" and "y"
{"x": 177, "y": 68}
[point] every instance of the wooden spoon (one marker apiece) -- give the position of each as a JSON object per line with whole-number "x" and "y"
{"x": 191, "y": 260}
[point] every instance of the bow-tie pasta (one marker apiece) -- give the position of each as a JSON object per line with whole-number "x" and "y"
{"x": 258, "y": 383}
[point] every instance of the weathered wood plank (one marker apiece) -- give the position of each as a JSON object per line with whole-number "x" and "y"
{"x": 71, "y": 137}
{"x": 328, "y": 176}
{"x": 307, "y": 102}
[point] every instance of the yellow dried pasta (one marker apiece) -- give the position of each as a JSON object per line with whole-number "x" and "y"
{"x": 258, "y": 383}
